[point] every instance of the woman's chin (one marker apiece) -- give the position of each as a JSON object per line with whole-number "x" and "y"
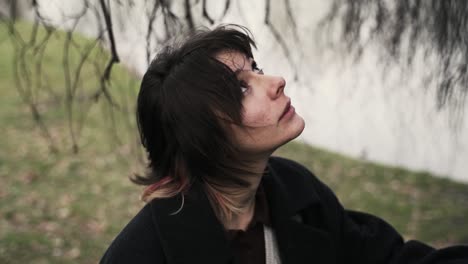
{"x": 298, "y": 127}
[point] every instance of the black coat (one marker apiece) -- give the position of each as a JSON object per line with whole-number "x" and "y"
{"x": 323, "y": 233}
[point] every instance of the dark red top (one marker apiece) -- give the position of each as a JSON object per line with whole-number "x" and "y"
{"x": 249, "y": 245}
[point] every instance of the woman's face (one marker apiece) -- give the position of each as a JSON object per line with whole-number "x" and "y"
{"x": 269, "y": 118}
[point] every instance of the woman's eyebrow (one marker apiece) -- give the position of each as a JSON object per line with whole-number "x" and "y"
{"x": 253, "y": 65}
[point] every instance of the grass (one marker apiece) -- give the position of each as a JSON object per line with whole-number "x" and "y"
{"x": 66, "y": 207}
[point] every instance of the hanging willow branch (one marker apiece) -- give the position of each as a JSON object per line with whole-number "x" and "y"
{"x": 402, "y": 28}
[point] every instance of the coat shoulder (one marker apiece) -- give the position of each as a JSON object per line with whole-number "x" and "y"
{"x": 296, "y": 177}
{"x": 138, "y": 242}
{"x": 300, "y": 184}
{"x": 286, "y": 167}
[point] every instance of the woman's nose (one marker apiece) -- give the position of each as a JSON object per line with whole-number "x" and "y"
{"x": 276, "y": 87}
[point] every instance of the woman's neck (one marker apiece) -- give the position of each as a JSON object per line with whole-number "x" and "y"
{"x": 244, "y": 199}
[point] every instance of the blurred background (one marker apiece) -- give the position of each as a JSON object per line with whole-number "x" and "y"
{"x": 381, "y": 84}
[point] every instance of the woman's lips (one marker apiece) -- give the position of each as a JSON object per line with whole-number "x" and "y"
{"x": 288, "y": 110}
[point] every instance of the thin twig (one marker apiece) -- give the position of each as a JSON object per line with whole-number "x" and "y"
{"x": 205, "y": 13}
{"x": 114, "y": 56}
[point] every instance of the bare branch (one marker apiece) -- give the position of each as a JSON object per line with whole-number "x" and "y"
{"x": 205, "y": 13}
{"x": 188, "y": 15}
{"x": 114, "y": 57}
{"x": 279, "y": 38}
{"x": 22, "y": 74}
{"x": 227, "y": 5}
{"x": 151, "y": 19}
{"x": 113, "y": 49}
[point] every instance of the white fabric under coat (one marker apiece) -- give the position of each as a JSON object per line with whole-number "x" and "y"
{"x": 271, "y": 246}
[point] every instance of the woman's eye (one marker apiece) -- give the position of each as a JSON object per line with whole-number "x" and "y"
{"x": 257, "y": 70}
{"x": 244, "y": 86}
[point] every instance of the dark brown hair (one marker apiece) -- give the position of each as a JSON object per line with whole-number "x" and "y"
{"x": 187, "y": 98}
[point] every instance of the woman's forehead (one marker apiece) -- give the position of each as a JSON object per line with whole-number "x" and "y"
{"x": 235, "y": 60}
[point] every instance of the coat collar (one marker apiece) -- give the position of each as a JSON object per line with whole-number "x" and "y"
{"x": 290, "y": 190}
{"x": 194, "y": 235}
{"x": 287, "y": 192}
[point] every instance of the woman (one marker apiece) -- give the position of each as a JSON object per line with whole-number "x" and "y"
{"x": 210, "y": 119}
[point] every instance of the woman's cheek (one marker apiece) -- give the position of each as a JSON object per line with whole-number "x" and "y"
{"x": 257, "y": 118}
